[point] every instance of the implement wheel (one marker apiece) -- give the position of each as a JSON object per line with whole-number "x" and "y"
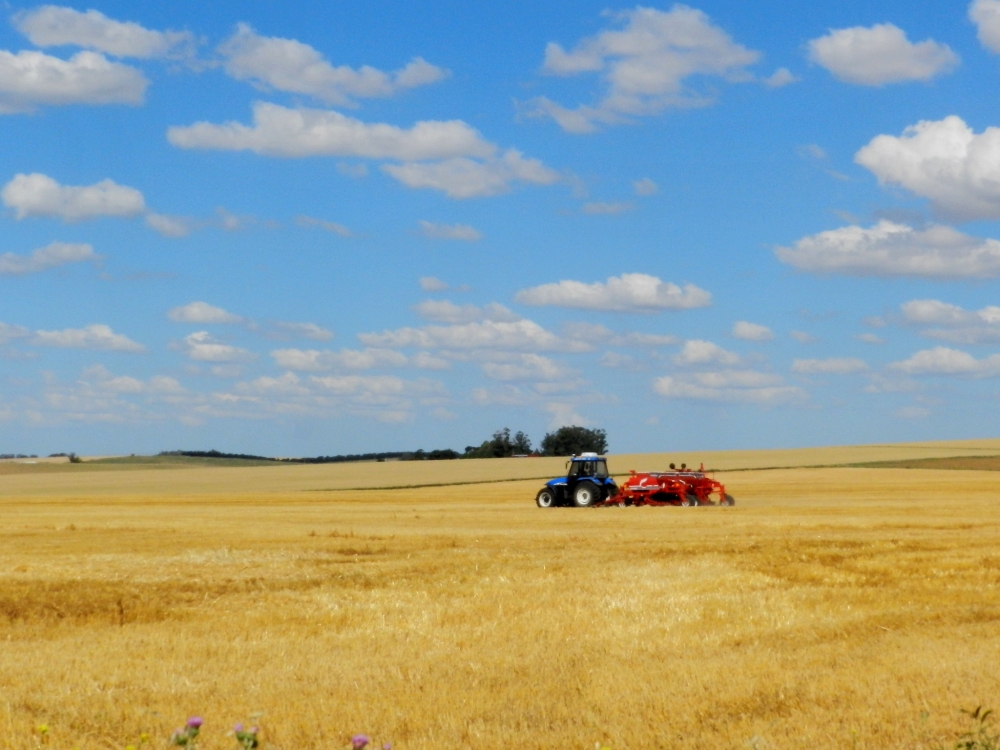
{"x": 586, "y": 494}
{"x": 690, "y": 500}
{"x": 728, "y": 500}
{"x": 545, "y": 498}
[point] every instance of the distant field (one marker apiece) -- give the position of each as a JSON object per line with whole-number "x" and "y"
{"x": 831, "y": 608}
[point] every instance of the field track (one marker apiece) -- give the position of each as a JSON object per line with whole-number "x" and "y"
{"x": 831, "y": 608}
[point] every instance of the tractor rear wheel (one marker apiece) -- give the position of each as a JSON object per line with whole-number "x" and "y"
{"x": 545, "y": 498}
{"x": 728, "y": 500}
{"x": 586, "y": 494}
{"x": 690, "y": 500}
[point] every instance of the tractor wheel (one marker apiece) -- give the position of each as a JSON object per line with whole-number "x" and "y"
{"x": 728, "y": 500}
{"x": 690, "y": 500}
{"x": 545, "y": 498}
{"x": 586, "y": 494}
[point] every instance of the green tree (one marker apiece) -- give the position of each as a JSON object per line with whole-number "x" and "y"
{"x": 501, "y": 445}
{"x": 568, "y": 441}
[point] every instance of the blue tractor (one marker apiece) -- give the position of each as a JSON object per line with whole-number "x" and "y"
{"x": 586, "y": 483}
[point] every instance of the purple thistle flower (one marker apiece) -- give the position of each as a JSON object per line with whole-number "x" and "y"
{"x": 195, "y": 721}
{"x": 360, "y": 741}
{"x": 387, "y": 746}
{"x": 238, "y": 727}
{"x": 254, "y": 730}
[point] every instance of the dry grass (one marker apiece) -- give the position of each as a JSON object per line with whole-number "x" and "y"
{"x": 831, "y": 608}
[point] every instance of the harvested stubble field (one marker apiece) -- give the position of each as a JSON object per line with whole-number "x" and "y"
{"x": 831, "y": 608}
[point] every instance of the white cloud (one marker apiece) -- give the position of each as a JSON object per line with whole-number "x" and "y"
{"x": 593, "y": 333}
{"x": 943, "y": 161}
{"x": 697, "y": 352}
{"x": 123, "y": 384}
{"x": 201, "y": 313}
{"x": 29, "y": 79}
{"x": 879, "y": 55}
{"x": 289, "y": 65}
{"x": 830, "y": 366}
{"x": 443, "y": 311}
{"x": 944, "y": 361}
{"x": 9, "y": 333}
{"x": 780, "y": 78}
{"x": 433, "y": 284}
{"x": 752, "y": 331}
{"x": 606, "y": 209}
{"x": 953, "y": 323}
{"x": 616, "y": 361}
{"x": 40, "y": 195}
{"x": 520, "y": 335}
{"x": 889, "y": 249}
{"x": 99, "y": 337}
{"x": 286, "y": 329}
{"x": 55, "y": 26}
{"x": 645, "y": 186}
{"x": 645, "y": 65}
{"x": 525, "y": 367}
{"x": 437, "y": 231}
{"x": 345, "y": 359}
{"x": 912, "y": 412}
{"x": 469, "y": 178}
{"x": 986, "y": 15}
{"x": 168, "y": 226}
{"x": 295, "y": 133}
{"x": 329, "y": 226}
{"x": 630, "y": 292}
{"x": 735, "y": 386}
{"x": 871, "y": 338}
{"x": 803, "y": 338}
{"x": 51, "y": 256}
{"x": 202, "y": 347}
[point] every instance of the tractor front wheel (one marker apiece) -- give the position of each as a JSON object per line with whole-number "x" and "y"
{"x": 545, "y": 498}
{"x": 586, "y": 494}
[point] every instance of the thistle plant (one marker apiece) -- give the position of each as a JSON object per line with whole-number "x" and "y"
{"x": 188, "y": 736}
{"x": 247, "y": 738}
{"x": 979, "y": 737}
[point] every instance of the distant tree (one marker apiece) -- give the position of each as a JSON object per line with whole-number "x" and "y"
{"x": 567, "y": 441}
{"x": 501, "y": 445}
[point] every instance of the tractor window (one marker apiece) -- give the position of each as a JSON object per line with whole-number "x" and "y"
{"x": 601, "y": 469}
{"x": 574, "y": 469}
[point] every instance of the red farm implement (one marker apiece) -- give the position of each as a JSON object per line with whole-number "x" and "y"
{"x": 671, "y": 488}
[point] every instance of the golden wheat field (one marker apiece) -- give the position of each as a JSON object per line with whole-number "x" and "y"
{"x": 831, "y": 608}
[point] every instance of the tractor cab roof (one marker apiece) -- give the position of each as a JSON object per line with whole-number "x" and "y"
{"x": 588, "y": 457}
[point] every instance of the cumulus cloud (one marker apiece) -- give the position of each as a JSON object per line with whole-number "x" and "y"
{"x": 752, "y": 331}
{"x": 346, "y": 359}
{"x": 803, "y": 338}
{"x": 986, "y": 15}
{"x": 29, "y": 79}
{"x": 443, "y": 311}
{"x": 328, "y": 226}
{"x": 99, "y": 337}
{"x": 282, "y": 329}
{"x": 953, "y": 323}
{"x": 56, "y": 26}
{"x": 40, "y": 195}
{"x": 697, "y": 352}
{"x": 645, "y": 65}
{"x": 943, "y": 161}
{"x": 944, "y": 361}
{"x": 645, "y": 186}
{"x": 295, "y": 133}
{"x": 520, "y": 335}
{"x": 630, "y": 292}
{"x": 289, "y": 65}
{"x": 606, "y": 209}
{"x": 51, "y": 256}
{"x": 202, "y": 347}
{"x": 870, "y": 338}
{"x": 525, "y": 367}
{"x": 830, "y": 366}
{"x": 890, "y": 249}
{"x": 202, "y": 313}
{"x": 780, "y": 78}
{"x": 471, "y": 178}
{"x": 734, "y": 386}
{"x": 10, "y": 332}
{"x": 463, "y": 232}
{"x": 433, "y": 284}
{"x": 879, "y": 55}
{"x": 168, "y": 226}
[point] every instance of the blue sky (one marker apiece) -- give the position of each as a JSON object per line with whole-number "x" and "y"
{"x": 325, "y": 228}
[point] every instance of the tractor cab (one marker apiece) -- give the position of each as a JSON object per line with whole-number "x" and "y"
{"x": 586, "y": 483}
